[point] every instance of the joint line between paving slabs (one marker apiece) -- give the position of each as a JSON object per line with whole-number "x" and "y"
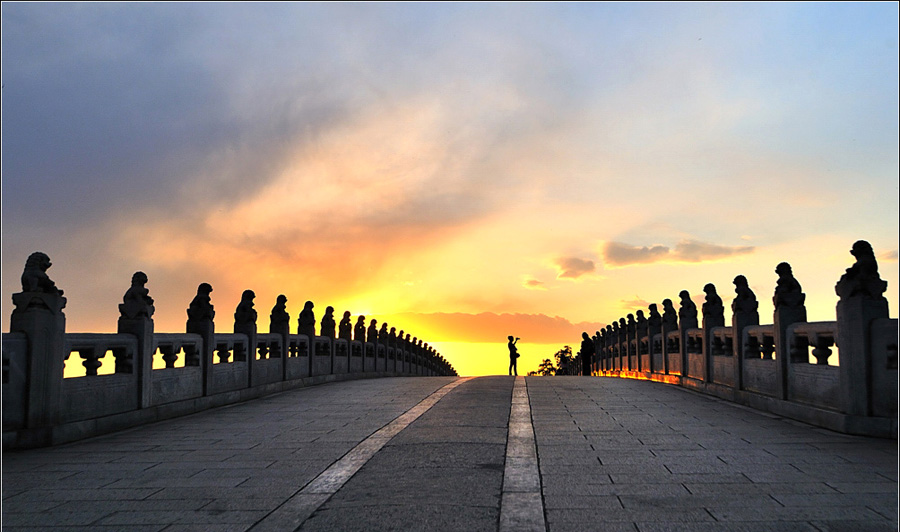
{"x": 521, "y": 503}
{"x": 300, "y": 506}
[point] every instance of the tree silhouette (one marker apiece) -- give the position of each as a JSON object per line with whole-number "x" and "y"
{"x": 564, "y": 362}
{"x": 545, "y": 369}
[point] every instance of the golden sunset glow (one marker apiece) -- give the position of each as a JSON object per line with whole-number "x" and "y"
{"x": 525, "y": 170}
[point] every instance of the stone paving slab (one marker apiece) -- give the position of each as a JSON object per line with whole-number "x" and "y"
{"x": 392, "y": 494}
{"x": 612, "y": 454}
{"x": 223, "y": 469}
{"x": 675, "y": 460}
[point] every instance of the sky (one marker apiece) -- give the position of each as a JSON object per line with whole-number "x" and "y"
{"x": 463, "y": 171}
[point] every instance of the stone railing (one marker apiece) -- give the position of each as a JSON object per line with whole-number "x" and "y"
{"x": 839, "y": 374}
{"x": 162, "y": 375}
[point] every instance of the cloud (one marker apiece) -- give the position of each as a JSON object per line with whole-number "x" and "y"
{"x": 534, "y": 284}
{"x": 491, "y": 327}
{"x": 573, "y": 267}
{"x": 694, "y": 251}
{"x": 634, "y": 304}
{"x": 889, "y": 256}
{"x": 620, "y": 254}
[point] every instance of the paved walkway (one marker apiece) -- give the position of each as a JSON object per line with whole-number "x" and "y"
{"x": 443, "y": 453}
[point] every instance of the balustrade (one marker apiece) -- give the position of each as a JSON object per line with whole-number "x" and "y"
{"x": 157, "y": 375}
{"x": 846, "y": 367}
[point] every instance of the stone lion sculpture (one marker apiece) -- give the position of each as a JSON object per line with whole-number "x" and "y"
{"x": 245, "y": 313}
{"x": 862, "y": 278}
{"x": 787, "y": 289}
{"x": 279, "y": 316}
{"x": 35, "y": 279}
{"x": 201, "y": 307}
{"x": 137, "y": 301}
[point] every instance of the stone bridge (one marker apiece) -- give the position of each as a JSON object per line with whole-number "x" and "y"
{"x": 358, "y": 428}
{"x": 447, "y": 454}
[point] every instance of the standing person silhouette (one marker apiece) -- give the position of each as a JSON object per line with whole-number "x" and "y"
{"x": 513, "y": 355}
{"x": 587, "y": 351}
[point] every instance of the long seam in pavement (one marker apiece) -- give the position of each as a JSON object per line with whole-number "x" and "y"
{"x": 521, "y": 503}
{"x": 299, "y": 507}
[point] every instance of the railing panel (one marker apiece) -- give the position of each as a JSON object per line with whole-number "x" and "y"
{"x": 884, "y": 367}
{"x": 93, "y": 347}
{"x": 298, "y": 362}
{"x": 322, "y": 359}
{"x": 723, "y": 370}
{"x": 760, "y": 376}
{"x": 231, "y": 369}
{"x": 759, "y": 342}
{"x": 341, "y": 357}
{"x": 176, "y": 384}
{"x": 370, "y": 361}
{"x": 696, "y": 365}
{"x": 356, "y": 357}
{"x": 817, "y": 385}
{"x": 15, "y": 359}
{"x": 174, "y": 346}
{"x": 94, "y": 395}
{"x": 97, "y": 396}
{"x": 813, "y": 343}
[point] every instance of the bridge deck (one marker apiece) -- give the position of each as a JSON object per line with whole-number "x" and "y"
{"x": 444, "y": 453}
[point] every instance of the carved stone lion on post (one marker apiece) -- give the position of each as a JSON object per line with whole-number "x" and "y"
{"x": 35, "y": 279}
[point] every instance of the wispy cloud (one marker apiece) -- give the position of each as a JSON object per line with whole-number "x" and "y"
{"x": 621, "y": 254}
{"x": 634, "y": 304}
{"x": 694, "y": 251}
{"x": 573, "y": 267}
{"x": 534, "y": 284}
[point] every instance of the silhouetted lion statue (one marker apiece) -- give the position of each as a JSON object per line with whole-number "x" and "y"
{"x": 34, "y": 278}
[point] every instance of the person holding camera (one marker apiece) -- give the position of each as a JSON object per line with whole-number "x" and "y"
{"x": 513, "y": 355}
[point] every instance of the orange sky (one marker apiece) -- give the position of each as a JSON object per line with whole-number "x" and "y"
{"x": 464, "y": 172}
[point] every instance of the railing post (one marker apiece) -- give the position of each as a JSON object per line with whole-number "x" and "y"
{"x": 200, "y": 321}
{"x": 861, "y": 302}
{"x": 136, "y": 319}
{"x": 245, "y": 323}
{"x": 280, "y": 324}
{"x": 744, "y": 313}
{"x": 713, "y": 316}
{"x": 789, "y": 308}
{"x": 687, "y": 319}
{"x": 669, "y": 323}
{"x": 654, "y": 327}
{"x": 39, "y": 315}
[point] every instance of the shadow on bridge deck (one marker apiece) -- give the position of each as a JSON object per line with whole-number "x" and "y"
{"x": 612, "y": 454}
